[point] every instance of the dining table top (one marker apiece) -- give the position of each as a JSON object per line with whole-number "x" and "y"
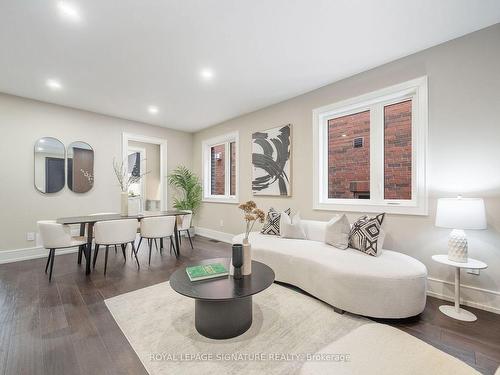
{"x": 104, "y": 217}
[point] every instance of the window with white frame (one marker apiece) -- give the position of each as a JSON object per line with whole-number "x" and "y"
{"x": 370, "y": 151}
{"x": 220, "y": 168}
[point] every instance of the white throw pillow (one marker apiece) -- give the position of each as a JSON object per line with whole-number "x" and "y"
{"x": 291, "y": 227}
{"x": 337, "y": 232}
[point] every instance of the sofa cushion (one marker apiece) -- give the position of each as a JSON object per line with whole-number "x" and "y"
{"x": 315, "y": 230}
{"x": 272, "y": 224}
{"x": 291, "y": 227}
{"x": 337, "y": 232}
{"x": 365, "y": 233}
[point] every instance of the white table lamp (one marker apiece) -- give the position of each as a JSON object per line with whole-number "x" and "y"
{"x": 459, "y": 214}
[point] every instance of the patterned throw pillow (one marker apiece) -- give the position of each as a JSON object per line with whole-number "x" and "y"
{"x": 365, "y": 233}
{"x": 272, "y": 224}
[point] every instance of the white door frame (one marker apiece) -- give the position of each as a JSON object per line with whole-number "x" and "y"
{"x": 126, "y": 137}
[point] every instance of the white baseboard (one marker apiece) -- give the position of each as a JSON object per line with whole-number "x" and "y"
{"x": 214, "y": 234}
{"x": 479, "y": 298}
{"x": 18, "y": 255}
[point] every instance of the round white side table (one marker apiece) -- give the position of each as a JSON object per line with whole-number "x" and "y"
{"x": 456, "y": 312}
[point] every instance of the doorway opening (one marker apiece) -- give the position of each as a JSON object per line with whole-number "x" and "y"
{"x": 144, "y": 154}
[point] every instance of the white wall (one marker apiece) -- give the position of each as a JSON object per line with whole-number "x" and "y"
{"x": 464, "y": 152}
{"x": 23, "y": 122}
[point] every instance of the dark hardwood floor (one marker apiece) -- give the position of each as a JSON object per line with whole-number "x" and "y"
{"x": 65, "y": 328}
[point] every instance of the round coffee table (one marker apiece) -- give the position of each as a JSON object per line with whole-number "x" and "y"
{"x": 223, "y": 307}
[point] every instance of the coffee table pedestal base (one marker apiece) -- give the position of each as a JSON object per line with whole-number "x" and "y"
{"x": 223, "y": 319}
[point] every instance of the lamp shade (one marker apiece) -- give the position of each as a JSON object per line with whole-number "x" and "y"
{"x": 461, "y": 213}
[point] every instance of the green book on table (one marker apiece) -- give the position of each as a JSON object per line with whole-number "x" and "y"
{"x": 207, "y": 271}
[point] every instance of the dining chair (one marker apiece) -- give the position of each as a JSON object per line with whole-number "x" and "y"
{"x": 105, "y": 213}
{"x": 115, "y": 232}
{"x": 56, "y": 236}
{"x": 154, "y": 228}
{"x": 185, "y": 225}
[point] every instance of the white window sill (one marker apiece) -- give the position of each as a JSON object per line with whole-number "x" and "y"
{"x": 372, "y": 208}
{"x": 232, "y": 200}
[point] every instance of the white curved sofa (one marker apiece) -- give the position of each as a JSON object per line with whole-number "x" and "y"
{"x": 391, "y": 285}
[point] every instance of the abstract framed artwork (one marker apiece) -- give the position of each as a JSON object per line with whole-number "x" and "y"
{"x": 271, "y": 151}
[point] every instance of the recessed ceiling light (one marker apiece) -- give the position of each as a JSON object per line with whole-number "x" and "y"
{"x": 68, "y": 10}
{"x": 153, "y": 109}
{"x": 54, "y": 84}
{"x": 344, "y": 135}
{"x": 207, "y": 74}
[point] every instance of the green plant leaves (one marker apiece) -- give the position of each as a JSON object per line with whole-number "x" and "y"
{"x": 188, "y": 186}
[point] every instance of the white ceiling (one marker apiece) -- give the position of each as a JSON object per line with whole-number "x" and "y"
{"x": 125, "y": 55}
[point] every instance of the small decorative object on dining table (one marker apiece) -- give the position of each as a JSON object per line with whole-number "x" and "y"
{"x": 125, "y": 179}
{"x": 251, "y": 215}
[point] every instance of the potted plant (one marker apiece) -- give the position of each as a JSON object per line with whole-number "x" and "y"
{"x": 188, "y": 188}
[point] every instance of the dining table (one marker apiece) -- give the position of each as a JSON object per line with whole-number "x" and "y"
{"x": 88, "y": 221}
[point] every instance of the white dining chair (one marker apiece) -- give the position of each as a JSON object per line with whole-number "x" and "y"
{"x": 105, "y": 213}
{"x": 154, "y": 228}
{"x": 115, "y": 232}
{"x": 185, "y": 225}
{"x": 56, "y": 236}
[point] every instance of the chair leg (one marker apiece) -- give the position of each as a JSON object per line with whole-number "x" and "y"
{"x": 116, "y": 250}
{"x": 106, "y": 259}
{"x": 161, "y": 246}
{"x": 123, "y": 251}
{"x": 80, "y": 253}
{"x": 53, "y": 253}
{"x": 190, "y": 241}
{"x": 150, "y": 248}
{"x": 171, "y": 244}
{"x": 139, "y": 246}
{"x": 156, "y": 244}
{"x": 95, "y": 255}
{"x": 135, "y": 253}
{"x": 180, "y": 237}
{"x": 48, "y": 261}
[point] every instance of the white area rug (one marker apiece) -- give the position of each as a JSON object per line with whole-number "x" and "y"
{"x": 288, "y": 329}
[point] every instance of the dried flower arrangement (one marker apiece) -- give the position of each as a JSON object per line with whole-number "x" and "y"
{"x": 124, "y": 178}
{"x": 251, "y": 215}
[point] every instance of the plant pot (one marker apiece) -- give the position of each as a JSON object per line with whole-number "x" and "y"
{"x": 124, "y": 204}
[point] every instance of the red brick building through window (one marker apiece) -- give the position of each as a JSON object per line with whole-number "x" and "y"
{"x": 218, "y": 169}
{"x": 349, "y": 154}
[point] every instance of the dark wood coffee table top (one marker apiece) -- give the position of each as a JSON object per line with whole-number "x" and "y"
{"x": 225, "y": 288}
